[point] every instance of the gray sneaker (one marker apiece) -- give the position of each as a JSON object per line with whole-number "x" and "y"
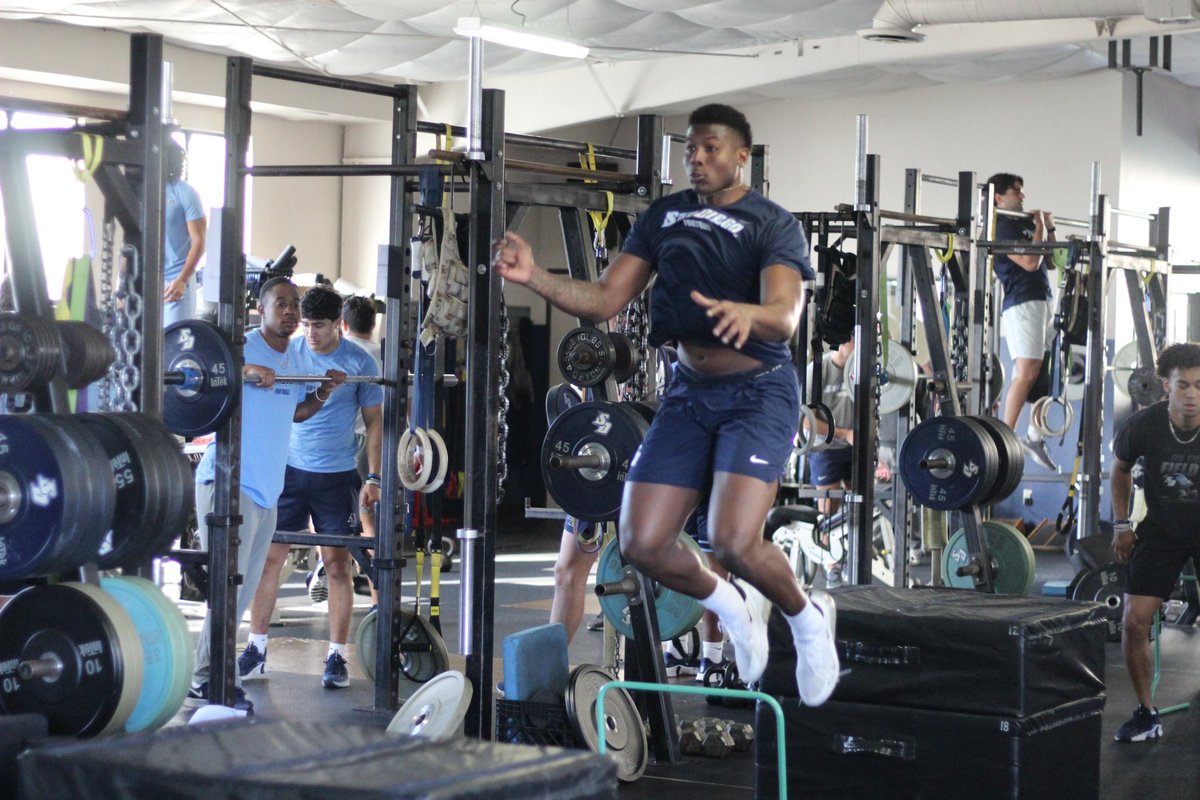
{"x": 1036, "y": 448}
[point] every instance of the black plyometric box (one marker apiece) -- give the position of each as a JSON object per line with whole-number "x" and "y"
{"x": 955, "y": 650}
{"x": 251, "y": 760}
{"x": 853, "y": 750}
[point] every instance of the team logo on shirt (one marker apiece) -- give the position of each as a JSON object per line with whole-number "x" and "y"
{"x": 705, "y": 219}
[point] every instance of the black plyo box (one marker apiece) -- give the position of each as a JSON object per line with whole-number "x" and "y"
{"x": 852, "y": 750}
{"x": 252, "y": 760}
{"x": 955, "y": 650}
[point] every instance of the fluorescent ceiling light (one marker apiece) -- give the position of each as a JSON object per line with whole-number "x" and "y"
{"x": 520, "y": 38}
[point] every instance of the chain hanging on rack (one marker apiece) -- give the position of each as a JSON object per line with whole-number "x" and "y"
{"x": 107, "y": 318}
{"x": 502, "y": 418}
{"x": 125, "y": 335}
{"x": 634, "y": 323}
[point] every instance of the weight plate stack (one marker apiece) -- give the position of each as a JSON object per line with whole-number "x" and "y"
{"x": 1010, "y": 552}
{"x": 166, "y": 647}
{"x": 30, "y": 352}
{"x": 81, "y": 658}
{"x": 625, "y": 737}
{"x": 601, "y": 429}
{"x": 198, "y": 348}
{"x": 55, "y": 505}
{"x": 1011, "y": 464}
{"x": 949, "y": 463}
{"x": 677, "y": 613}
{"x": 88, "y": 354}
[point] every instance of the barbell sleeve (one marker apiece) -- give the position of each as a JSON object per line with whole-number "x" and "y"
{"x": 587, "y": 461}
{"x": 49, "y": 668}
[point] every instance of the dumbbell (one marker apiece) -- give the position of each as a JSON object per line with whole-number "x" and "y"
{"x": 587, "y": 356}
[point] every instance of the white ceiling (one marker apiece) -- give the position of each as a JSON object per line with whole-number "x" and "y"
{"x": 658, "y": 56}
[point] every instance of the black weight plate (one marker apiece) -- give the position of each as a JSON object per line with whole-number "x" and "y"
{"x": 586, "y": 356}
{"x": 973, "y": 463}
{"x": 645, "y": 408}
{"x": 88, "y": 354}
{"x": 995, "y": 384}
{"x": 560, "y": 397}
{"x": 1106, "y": 585}
{"x": 30, "y": 350}
{"x": 625, "y": 364}
{"x": 177, "y": 478}
{"x": 67, "y": 624}
{"x": 197, "y": 345}
{"x": 97, "y": 503}
{"x": 1011, "y": 454}
{"x": 138, "y": 507}
{"x": 592, "y": 427}
{"x": 625, "y": 737}
{"x": 41, "y": 477}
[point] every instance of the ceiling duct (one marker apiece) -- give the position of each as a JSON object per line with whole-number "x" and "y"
{"x": 897, "y": 20}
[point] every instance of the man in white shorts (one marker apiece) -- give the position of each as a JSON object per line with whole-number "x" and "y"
{"x": 1026, "y": 318}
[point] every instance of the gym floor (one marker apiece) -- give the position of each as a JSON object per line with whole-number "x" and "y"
{"x": 524, "y": 587}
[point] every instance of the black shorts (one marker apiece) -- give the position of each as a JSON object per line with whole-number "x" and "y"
{"x": 743, "y": 423}
{"x": 330, "y": 499}
{"x": 1153, "y": 572}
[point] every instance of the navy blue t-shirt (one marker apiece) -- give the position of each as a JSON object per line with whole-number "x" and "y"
{"x": 1171, "y": 480}
{"x": 1020, "y": 285}
{"x": 718, "y": 251}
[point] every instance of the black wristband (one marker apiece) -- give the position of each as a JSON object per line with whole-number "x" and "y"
{"x": 1052, "y": 230}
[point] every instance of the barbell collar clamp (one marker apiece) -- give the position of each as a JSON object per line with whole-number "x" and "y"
{"x": 48, "y": 668}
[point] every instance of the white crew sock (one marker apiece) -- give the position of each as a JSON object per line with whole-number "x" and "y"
{"x": 713, "y": 651}
{"x": 334, "y": 647}
{"x": 259, "y": 640}
{"x": 727, "y": 603}
{"x": 808, "y": 625}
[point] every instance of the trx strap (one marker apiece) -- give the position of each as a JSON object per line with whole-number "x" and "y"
{"x": 599, "y": 221}
{"x": 93, "y": 155}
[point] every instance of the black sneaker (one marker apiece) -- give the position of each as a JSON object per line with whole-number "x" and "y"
{"x": 1143, "y": 725}
{"x": 252, "y": 663}
{"x": 336, "y": 675}
{"x": 707, "y": 664}
{"x": 197, "y": 696}
{"x": 676, "y": 666}
{"x": 598, "y": 623}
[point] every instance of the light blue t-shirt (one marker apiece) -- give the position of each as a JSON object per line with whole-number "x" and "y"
{"x": 325, "y": 441}
{"x": 182, "y": 206}
{"x": 266, "y": 425}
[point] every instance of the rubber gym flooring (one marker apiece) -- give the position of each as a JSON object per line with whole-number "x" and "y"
{"x": 1168, "y": 768}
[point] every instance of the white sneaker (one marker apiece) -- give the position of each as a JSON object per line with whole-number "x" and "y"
{"x": 817, "y": 665}
{"x": 749, "y": 639}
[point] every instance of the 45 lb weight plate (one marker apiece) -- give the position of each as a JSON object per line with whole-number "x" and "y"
{"x": 586, "y": 456}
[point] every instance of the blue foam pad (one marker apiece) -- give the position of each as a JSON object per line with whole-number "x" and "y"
{"x": 1055, "y": 588}
{"x": 535, "y": 660}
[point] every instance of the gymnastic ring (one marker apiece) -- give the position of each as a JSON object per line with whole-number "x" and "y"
{"x": 806, "y": 435}
{"x": 443, "y": 461}
{"x": 409, "y": 478}
{"x": 1068, "y": 416}
{"x": 821, "y": 408}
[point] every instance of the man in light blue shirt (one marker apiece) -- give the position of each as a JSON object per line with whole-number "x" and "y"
{"x": 322, "y": 483}
{"x": 268, "y": 410}
{"x": 184, "y": 230}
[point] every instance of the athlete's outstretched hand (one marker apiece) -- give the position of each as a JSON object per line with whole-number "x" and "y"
{"x": 733, "y": 320}
{"x": 513, "y": 258}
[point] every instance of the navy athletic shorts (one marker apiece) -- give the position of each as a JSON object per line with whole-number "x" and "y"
{"x": 743, "y": 423}
{"x": 1154, "y": 572}
{"x": 827, "y": 467}
{"x": 329, "y": 498}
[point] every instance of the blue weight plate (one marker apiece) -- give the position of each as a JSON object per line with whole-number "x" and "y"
{"x": 592, "y": 427}
{"x": 973, "y": 463}
{"x": 38, "y": 486}
{"x": 68, "y": 625}
{"x": 198, "y": 345}
{"x": 160, "y": 694}
{"x": 677, "y": 613}
{"x": 559, "y": 398}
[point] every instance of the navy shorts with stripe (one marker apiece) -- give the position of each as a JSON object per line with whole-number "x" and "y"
{"x": 330, "y": 499}
{"x": 743, "y": 423}
{"x": 1153, "y": 572}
